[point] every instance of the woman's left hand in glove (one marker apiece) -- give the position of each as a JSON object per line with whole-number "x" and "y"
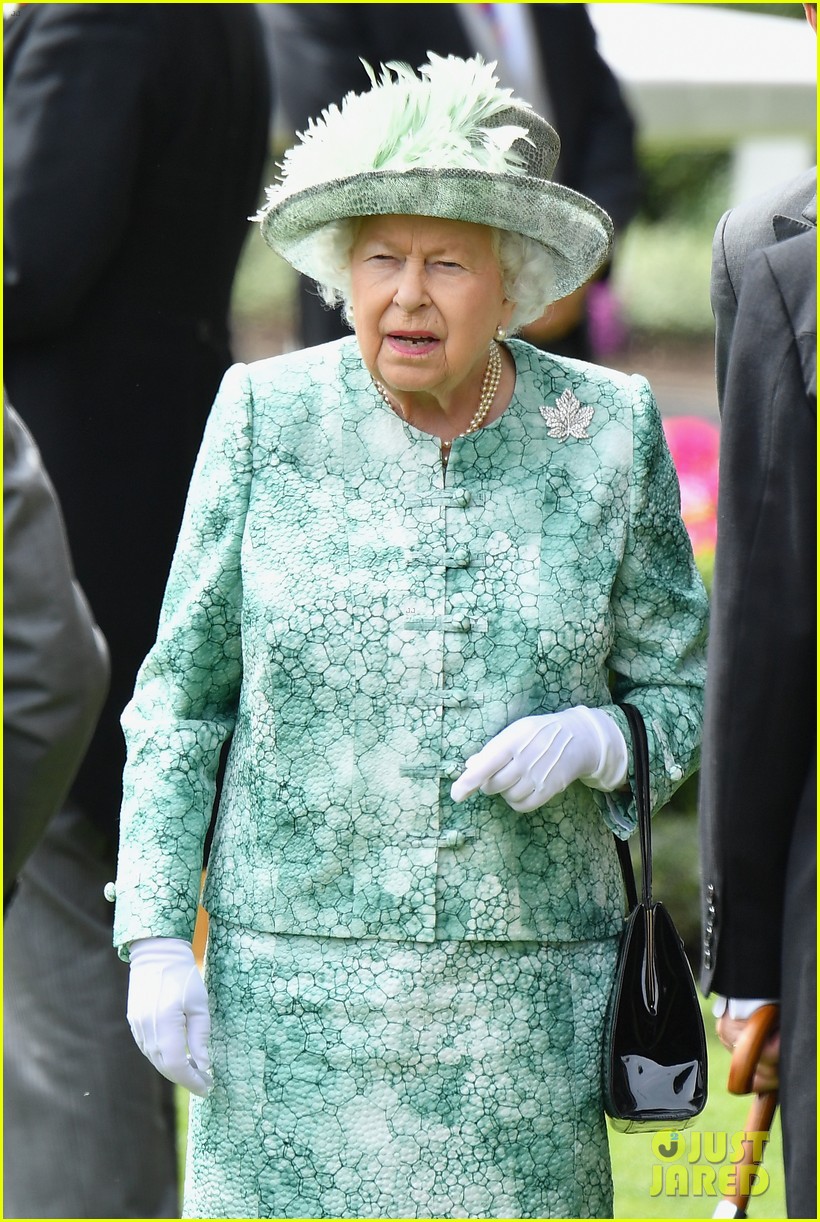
{"x": 535, "y": 758}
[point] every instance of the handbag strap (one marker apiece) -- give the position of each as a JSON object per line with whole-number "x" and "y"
{"x": 640, "y": 755}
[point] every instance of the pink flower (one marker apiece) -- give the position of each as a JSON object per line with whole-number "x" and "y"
{"x": 694, "y": 445}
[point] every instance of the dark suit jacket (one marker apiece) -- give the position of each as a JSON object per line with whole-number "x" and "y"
{"x": 134, "y": 142}
{"x": 757, "y": 771}
{"x": 316, "y": 50}
{"x": 785, "y": 211}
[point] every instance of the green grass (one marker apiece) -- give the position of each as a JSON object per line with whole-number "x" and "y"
{"x": 633, "y": 1159}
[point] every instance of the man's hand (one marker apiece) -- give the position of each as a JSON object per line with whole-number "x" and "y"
{"x": 767, "y": 1074}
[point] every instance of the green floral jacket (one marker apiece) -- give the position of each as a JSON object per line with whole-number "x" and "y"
{"x": 356, "y": 626}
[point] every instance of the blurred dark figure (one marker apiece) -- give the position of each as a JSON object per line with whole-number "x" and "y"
{"x": 545, "y": 53}
{"x": 758, "y": 797}
{"x": 55, "y": 662}
{"x": 134, "y": 142}
{"x": 784, "y": 212}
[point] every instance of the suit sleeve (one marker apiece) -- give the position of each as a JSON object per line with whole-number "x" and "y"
{"x": 185, "y": 702}
{"x": 659, "y": 612}
{"x": 55, "y": 673}
{"x": 761, "y": 696}
{"x": 71, "y": 153}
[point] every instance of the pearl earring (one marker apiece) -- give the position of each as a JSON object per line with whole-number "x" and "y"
{"x": 500, "y": 334}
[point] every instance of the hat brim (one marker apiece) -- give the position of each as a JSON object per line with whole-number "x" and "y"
{"x": 576, "y": 232}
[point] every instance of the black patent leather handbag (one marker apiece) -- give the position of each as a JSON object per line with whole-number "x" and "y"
{"x": 654, "y": 1064}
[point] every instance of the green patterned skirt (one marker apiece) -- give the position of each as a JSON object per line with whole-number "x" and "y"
{"x": 375, "y": 1079}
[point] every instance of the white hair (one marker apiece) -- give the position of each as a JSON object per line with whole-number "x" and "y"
{"x": 526, "y": 269}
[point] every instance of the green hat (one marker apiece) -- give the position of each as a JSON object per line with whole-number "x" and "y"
{"x": 446, "y": 143}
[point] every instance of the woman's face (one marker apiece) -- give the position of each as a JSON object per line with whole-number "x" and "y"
{"x": 427, "y": 297}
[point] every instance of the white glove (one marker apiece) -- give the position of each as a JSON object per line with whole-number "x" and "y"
{"x": 168, "y": 1011}
{"x": 536, "y": 758}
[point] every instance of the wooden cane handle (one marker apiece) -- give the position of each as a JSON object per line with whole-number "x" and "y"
{"x": 748, "y": 1048}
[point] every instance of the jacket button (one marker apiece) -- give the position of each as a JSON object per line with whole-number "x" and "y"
{"x": 454, "y": 839}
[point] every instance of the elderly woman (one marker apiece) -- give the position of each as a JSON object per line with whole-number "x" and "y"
{"x": 416, "y": 570}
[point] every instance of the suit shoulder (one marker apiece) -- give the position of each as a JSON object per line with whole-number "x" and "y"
{"x": 750, "y": 224}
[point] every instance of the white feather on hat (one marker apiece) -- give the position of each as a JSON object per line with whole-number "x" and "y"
{"x": 435, "y": 120}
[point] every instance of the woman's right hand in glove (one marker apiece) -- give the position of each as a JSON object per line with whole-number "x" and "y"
{"x": 168, "y": 1011}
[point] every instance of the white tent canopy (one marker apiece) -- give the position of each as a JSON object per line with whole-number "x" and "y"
{"x": 696, "y": 73}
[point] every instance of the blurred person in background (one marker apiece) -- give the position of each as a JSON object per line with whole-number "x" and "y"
{"x": 544, "y": 52}
{"x": 783, "y": 212}
{"x": 55, "y": 662}
{"x": 758, "y": 794}
{"x": 117, "y": 118}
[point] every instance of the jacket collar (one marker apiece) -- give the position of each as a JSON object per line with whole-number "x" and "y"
{"x": 791, "y": 226}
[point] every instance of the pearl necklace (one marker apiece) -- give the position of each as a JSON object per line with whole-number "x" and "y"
{"x": 492, "y": 377}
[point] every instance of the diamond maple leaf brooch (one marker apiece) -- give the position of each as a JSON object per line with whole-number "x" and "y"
{"x": 568, "y": 418}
